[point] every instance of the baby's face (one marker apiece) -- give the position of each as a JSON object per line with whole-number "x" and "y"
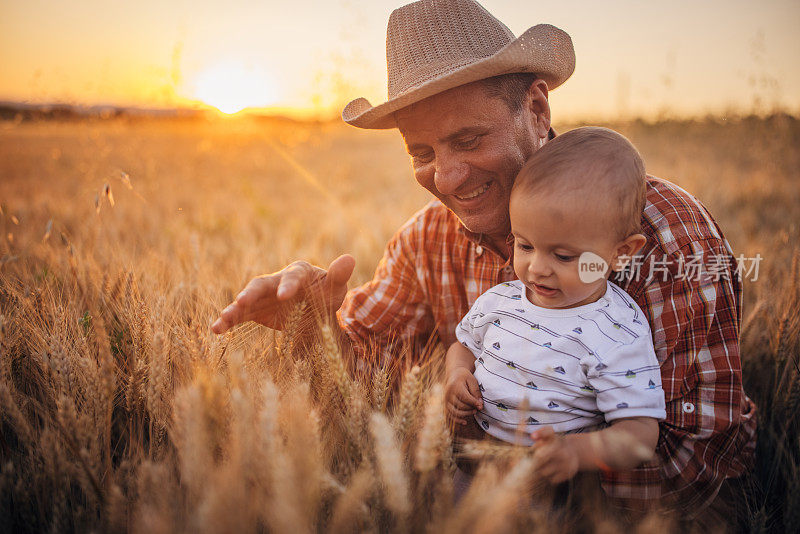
{"x": 550, "y": 234}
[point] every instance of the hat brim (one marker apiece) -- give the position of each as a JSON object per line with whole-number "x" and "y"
{"x": 543, "y": 49}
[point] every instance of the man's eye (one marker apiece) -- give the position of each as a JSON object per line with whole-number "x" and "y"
{"x": 422, "y": 158}
{"x": 564, "y": 257}
{"x": 470, "y": 142}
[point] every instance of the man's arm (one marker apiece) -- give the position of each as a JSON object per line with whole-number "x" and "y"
{"x": 393, "y": 308}
{"x": 709, "y": 431}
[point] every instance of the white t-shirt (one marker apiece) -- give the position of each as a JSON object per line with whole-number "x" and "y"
{"x": 577, "y": 368}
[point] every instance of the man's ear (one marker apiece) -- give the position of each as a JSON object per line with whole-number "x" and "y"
{"x": 625, "y": 250}
{"x": 539, "y": 107}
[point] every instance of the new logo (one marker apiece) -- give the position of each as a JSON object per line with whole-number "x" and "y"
{"x": 591, "y": 267}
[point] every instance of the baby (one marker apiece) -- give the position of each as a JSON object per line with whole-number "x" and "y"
{"x": 563, "y": 359}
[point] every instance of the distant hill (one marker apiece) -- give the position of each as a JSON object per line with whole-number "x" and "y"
{"x": 23, "y": 111}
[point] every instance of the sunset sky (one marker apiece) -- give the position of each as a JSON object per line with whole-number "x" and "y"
{"x": 303, "y": 56}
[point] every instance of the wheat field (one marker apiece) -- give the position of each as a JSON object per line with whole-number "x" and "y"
{"x": 120, "y": 410}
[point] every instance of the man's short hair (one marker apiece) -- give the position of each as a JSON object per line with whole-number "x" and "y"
{"x": 594, "y": 163}
{"x": 511, "y": 88}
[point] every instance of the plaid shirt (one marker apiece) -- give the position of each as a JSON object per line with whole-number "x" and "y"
{"x": 434, "y": 269}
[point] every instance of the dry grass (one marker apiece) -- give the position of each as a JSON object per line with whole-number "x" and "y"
{"x": 119, "y": 410}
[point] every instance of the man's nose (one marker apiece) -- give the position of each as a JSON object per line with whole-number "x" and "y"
{"x": 450, "y": 174}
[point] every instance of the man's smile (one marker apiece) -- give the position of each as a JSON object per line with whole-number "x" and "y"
{"x": 478, "y": 191}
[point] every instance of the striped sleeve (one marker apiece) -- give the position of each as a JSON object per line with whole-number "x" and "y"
{"x": 470, "y": 331}
{"x": 625, "y": 390}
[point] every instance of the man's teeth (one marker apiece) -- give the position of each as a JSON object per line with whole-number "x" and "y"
{"x": 482, "y": 189}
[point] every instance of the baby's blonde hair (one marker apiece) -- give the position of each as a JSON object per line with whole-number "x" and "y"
{"x": 598, "y": 163}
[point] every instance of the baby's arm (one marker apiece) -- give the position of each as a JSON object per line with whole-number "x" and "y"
{"x": 626, "y": 444}
{"x": 462, "y": 394}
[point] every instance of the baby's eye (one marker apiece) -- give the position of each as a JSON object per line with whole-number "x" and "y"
{"x": 564, "y": 257}
{"x": 524, "y": 247}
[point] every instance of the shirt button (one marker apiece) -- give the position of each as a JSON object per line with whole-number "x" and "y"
{"x": 688, "y": 407}
{"x": 479, "y": 250}
{"x": 508, "y": 269}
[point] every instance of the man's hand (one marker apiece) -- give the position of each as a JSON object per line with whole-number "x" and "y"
{"x": 266, "y": 299}
{"x": 555, "y": 457}
{"x": 462, "y": 395}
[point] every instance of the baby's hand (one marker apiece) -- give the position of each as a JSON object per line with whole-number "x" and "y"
{"x": 554, "y": 457}
{"x": 462, "y": 395}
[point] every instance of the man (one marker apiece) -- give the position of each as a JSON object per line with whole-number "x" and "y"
{"x": 470, "y": 101}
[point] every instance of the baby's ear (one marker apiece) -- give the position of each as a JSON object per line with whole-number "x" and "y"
{"x": 626, "y": 249}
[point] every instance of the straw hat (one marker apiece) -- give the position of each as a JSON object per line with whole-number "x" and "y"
{"x": 435, "y": 45}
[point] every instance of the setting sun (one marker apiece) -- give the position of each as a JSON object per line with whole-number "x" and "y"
{"x": 232, "y": 87}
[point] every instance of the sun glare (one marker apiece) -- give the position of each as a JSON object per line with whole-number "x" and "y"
{"x": 232, "y": 87}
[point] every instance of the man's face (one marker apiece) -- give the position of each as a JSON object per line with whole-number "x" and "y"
{"x": 466, "y": 148}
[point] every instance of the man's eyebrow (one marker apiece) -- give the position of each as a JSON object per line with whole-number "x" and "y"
{"x": 467, "y": 130}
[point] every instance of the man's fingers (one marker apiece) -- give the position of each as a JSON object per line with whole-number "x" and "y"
{"x": 228, "y": 318}
{"x": 219, "y": 326}
{"x": 259, "y": 311}
{"x": 340, "y": 270}
{"x": 248, "y": 302}
{"x": 292, "y": 279}
{"x": 236, "y": 311}
{"x": 256, "y": 289}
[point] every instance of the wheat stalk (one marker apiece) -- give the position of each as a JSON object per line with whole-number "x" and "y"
{"x": 390, "y": 463}
{"x": 291, "y": 329}
{"x": 410, "y": 394}
{"x": 336, "y": 367}
{"x": 380, "y": 387}
{"x": 429, "y": 441}
{"x": 351, "y": 512}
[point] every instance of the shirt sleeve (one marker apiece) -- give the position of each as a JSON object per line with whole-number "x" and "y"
{"x": 709, "y": 432}
{"x": 470, "y": 331}
{"x": 392, "y": 308}
{"x": 629, "y": 384}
